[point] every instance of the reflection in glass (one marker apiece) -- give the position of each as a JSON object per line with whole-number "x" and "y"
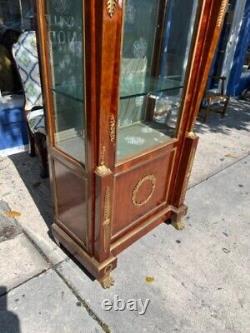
{"x": 65, "y": 27}
{"x": 156, "y": 46}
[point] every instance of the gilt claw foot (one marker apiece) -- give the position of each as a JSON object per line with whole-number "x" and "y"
{"x": 178, "y": 225}
{"x": 107, "y": 282}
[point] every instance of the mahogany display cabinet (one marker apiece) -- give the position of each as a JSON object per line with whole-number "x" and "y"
{"x": 122, "y": 82}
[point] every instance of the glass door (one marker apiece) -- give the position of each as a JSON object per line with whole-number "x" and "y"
{"x": 157, "y": 39}
{"x": 66, "y": 45}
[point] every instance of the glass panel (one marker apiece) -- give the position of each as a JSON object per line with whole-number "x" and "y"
{"x": 156, "y": 45}
{"x": 67, "y": 51}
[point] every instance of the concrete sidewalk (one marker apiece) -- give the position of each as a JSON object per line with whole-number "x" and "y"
{"x": 199, "y": 278}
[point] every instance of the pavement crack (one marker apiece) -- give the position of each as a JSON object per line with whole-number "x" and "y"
{"x": 36, "y": 246}
{"x": 92, "y": 314}
{"x": 218, "y": 172}
{"x": 25, "y": 281}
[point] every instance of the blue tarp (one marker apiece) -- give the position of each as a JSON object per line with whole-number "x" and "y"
{"x": 12, "y": 128}
{"x": 239, "y": 81}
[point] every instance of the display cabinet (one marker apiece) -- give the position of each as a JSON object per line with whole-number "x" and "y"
{"x": 123, "y": 82}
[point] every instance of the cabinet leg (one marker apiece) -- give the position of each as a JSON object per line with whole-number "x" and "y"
{"x": 178, "y": 222}
{"x": 107, "y": 281}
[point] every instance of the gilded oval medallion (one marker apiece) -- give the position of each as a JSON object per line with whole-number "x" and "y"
{"x": 144, "y": 190}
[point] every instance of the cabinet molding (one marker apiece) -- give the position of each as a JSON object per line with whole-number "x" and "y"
{"x": 222, "y": 13}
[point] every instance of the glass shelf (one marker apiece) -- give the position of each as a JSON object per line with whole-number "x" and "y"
{"x": 129, "y": 89}
{"x": 73, "y": 143}
{"x": 72, "y": 91}
{"x": 136, "y": 88}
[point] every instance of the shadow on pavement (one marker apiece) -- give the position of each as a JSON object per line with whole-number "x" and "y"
{"x": 39, "y": 189}
{"x": 237, "y": 117}
{"x": 9, "y": 322}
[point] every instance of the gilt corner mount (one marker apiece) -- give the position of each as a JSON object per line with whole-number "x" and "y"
{"x": 111, "y": 6}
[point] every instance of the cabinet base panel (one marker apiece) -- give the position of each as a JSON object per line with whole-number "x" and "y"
{"x": 170, "y": 213}
{"x": 102, "y": 271}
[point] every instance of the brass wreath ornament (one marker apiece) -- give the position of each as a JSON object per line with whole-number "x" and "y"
{"x": 152, "y": 180}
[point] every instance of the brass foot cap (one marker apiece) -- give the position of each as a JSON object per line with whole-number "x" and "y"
{"x": 178, "y": 225}
{"x": 107, "y": 282}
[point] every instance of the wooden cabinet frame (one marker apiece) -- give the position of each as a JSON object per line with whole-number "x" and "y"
{"x": 104, "y": 231}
